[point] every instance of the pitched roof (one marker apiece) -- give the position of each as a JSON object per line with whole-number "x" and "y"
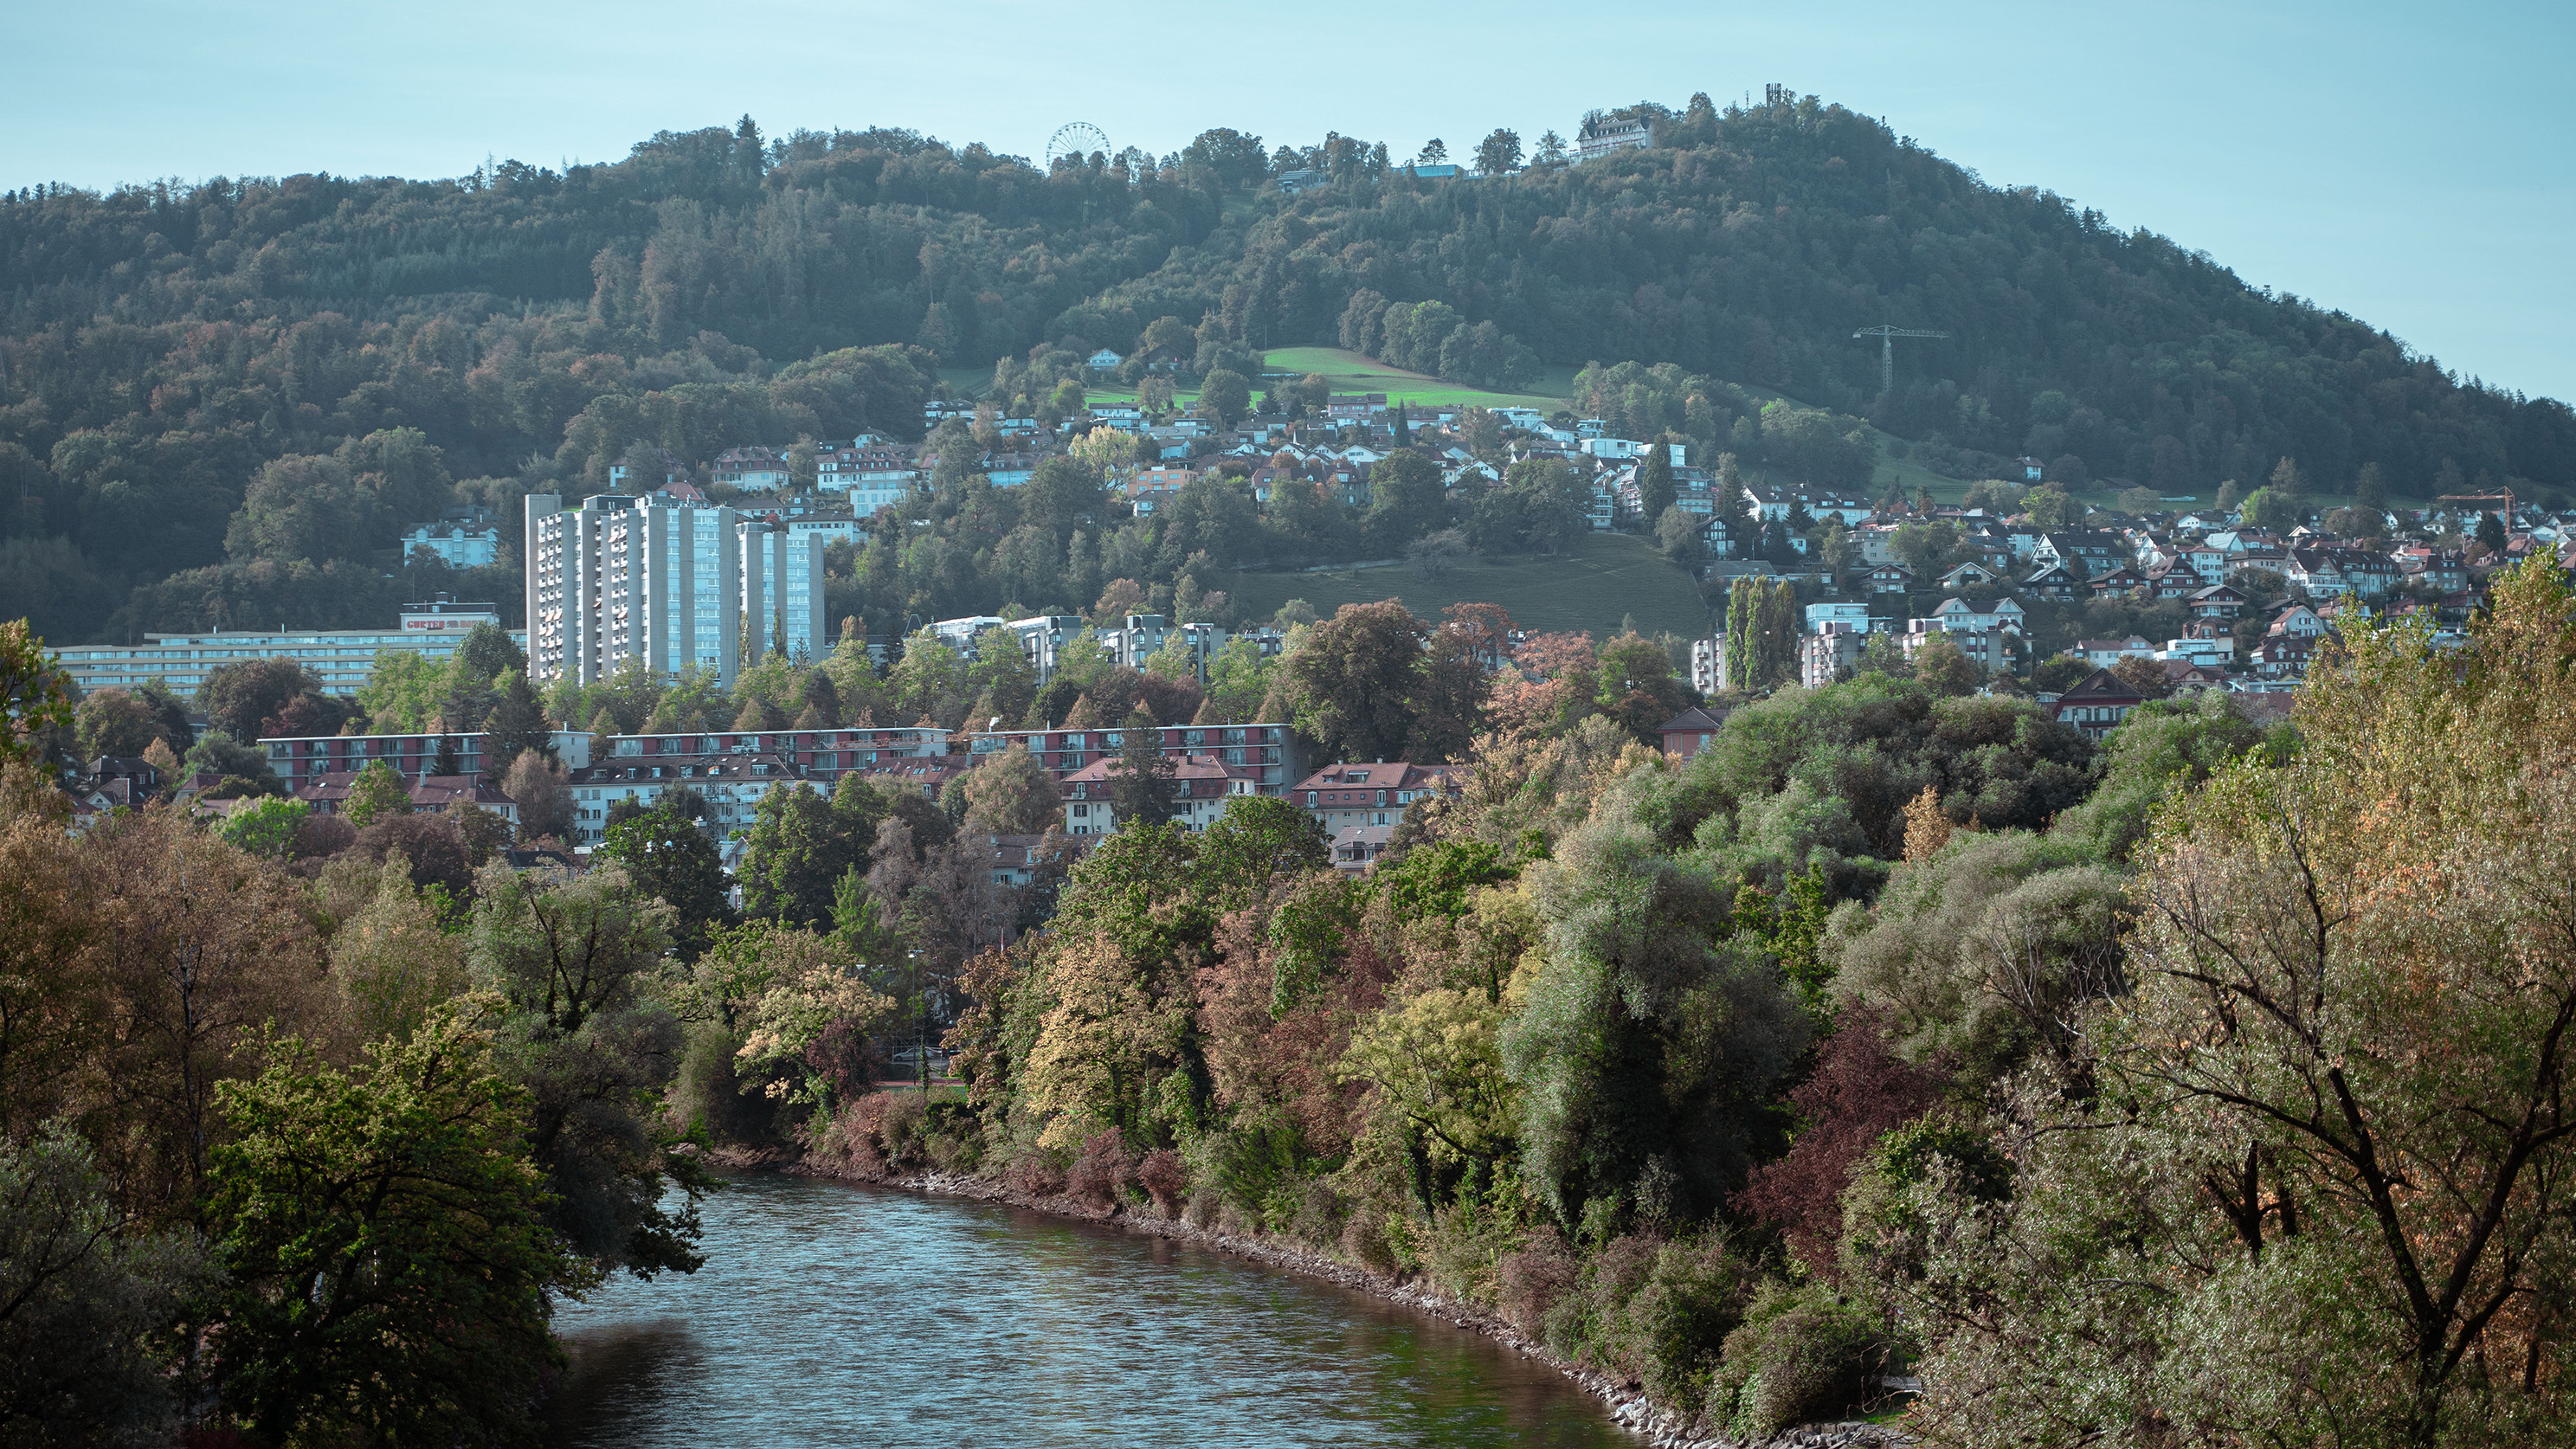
{"x": 2101, "y": 687}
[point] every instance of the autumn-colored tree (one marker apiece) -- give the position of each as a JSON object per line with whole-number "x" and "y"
{"x": 542, "y": 793}
{"x": 1927, "y": 829}
{"x": 1350, "y": 683}
{"x": 2329, "y": 1115}
{"x": 1010, "y": 793}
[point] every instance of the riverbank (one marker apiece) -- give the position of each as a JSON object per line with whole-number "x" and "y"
{"x": 1628, "y": 1404}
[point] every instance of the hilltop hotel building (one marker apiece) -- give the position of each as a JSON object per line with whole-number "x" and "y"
{"x": 670, "y": 582}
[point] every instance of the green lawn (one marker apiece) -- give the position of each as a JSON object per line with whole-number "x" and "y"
{"x": 1604, "y": 577}
{"x": 968, "y": 382}
{"x": 1350, "y": 372}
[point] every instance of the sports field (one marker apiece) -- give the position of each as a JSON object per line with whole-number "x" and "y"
{"x": 1603, "y": 578}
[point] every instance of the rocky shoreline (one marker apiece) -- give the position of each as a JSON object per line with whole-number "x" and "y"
{"x": 1628, "y": 1405}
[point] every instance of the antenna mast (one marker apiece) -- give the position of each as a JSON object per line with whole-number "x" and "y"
{"x": 1887, "y": 336}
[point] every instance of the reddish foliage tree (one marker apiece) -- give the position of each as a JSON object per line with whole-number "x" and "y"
{"x": 1262, "y": 1050}
{"x": 1859, "y": 1091}
{"x": 1104, "y": 1167}
{"x": 1164, "y": 1179}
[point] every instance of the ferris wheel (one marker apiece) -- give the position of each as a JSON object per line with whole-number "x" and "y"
{"x": 1077, "y": 140}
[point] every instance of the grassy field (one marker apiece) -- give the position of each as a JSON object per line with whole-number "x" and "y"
{"x": 1603, "y": 578}
{"x": 1350, "y": 372}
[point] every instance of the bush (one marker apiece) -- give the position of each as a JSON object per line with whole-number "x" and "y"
{"x": 1165, "y": 1180}
{"x": 899, "y": 1122}
{"x": 1533, "y": 1280}
{"x": 1806, "y": 1355}
{"x": 707, "y": 1099}
{"x": 1105, "y": 1167}
{"x": 1035, "y": 1173}
{"x": 1654, "y": 1312}
{"x": 1364, "y": 1242}
{"x": 1676, "y": 1324}
{"x": 1203, "y": 1208}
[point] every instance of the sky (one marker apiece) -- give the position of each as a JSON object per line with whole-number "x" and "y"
{"x": 2406, "y": 163}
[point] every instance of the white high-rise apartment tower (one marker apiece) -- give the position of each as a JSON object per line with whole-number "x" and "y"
{"x": 671, "y": 583}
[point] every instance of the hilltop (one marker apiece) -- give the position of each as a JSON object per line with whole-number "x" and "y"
{"x": 478, "y": 337}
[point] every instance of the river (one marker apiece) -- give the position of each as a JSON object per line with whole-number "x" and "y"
{"x": 832, "y": 1314}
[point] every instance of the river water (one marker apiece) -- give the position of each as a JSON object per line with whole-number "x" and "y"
{"x": 832, "y": 1314}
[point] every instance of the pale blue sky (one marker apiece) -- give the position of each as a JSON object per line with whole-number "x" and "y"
{"x": 2407, "y": 163}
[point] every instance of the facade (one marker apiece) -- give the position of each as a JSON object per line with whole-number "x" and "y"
{"x": 1689, "y": 732}
{"x": 753, "y": 469}
{"x": 304, "y": 759}
{"x": 1826, "y": 654}
{"x": 326, "y": 794}
{"x": 2098, "y": 705}
{"x": 1352, "y": 794}
{"x": 731, "y": 784}
{"x": 1261, "y": 753}
{"x": 823, "y": 755}
{"x": 461, "y": 538}
{"x": 1601, "y": 136}
{"x": 341, "y": 658}
{"x": 672, "y": 583}
{"x": 1206, "y": 787}
{"x": 870, "y": 477}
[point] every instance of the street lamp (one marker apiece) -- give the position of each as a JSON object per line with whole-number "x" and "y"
{"x": 920, "y": 1027}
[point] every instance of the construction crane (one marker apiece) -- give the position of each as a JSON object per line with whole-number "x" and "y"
{"x": 1887, "y": 336}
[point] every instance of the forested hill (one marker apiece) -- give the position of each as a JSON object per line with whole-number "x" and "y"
{"x": 164, "y": 342}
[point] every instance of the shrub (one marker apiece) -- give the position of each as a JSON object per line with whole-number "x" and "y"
{"x": 1806, "y": 1355}
{"x": 1364, "y": 1242}
{"x": 1674, "y": 1327}
{"x": 707, "y": 1097}
{"x": 1534, "y": 1279}
{"x": 1036, "y": 1173}
{"x": 852, "y": 1136}
{"x": 1203, "y": 1208}
{"x": 899, "y": 1119}
{"x": 1165, "y": 1180}
{"x": 1104, "y": 1167}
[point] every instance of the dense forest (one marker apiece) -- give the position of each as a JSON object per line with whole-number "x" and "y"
{"x": 372, "y": 350}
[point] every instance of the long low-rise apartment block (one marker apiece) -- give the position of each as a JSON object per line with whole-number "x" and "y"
{"x": 340, "y": 658}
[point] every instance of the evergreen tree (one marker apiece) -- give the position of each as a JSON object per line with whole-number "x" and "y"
{"x": 1655, "y": 490}
{"x": 1142, "y": 787}
{"x": 1777, "y": 624}
{"x": 2288, "y": 481}
{"x": 517, "y": 725}
{"x": 2370, "y": 490}
{"x": 445, "y": 761}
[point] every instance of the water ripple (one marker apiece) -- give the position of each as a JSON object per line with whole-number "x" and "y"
{"x": 830, "y": 1314}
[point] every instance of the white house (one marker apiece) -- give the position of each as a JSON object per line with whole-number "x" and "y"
{"x": 1205, "y": 787}
{"x": 461, "y": 543}
{"x": 1103, "y": 360}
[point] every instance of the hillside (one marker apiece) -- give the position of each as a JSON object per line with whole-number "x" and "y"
{"x": 478, "y": 337}
{"x": 1603, "y": 578}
